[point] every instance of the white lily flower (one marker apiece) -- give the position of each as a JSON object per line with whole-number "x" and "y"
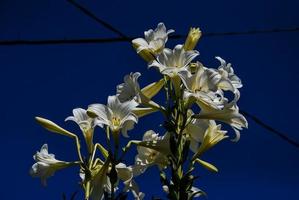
{"x": 86, "y": 124}
{"x": 130, "y": 89}
{"x": 153, "y": 150}
{"x": 154, "y": 40}
{"x": 228, "y": 114}
{"x": 205, "y": 80}
{"x": 46, "y": 165}
{"x": 212, "y": 136}
{"x": 227, "y": 72}
{"x": 196, "y": 131}
{"x": 206, "y": 86}
{"x": 126, "y": 174}
{"x": 203, "y": 86}
{"x": 118, "y": 116}
{"x": 171, "y": 62}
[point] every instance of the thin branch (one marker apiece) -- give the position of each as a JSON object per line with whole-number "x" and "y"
{"x": 129, "y": 39}
{"x": 94, "y": 17}
{"x": 271, "y": 129}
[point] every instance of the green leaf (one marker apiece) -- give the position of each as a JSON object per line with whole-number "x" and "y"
{"x": 140, "y": 112}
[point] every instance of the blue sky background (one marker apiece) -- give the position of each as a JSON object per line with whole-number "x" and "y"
{"x": 51, "y": 80}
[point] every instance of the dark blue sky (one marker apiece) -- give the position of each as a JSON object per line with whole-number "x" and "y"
{"x": 51, "y": 80}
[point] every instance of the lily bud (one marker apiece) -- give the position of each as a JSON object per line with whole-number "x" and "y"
{"x": 192, "y": 39}
{"x": 51, "y": 126}
{"x": 207, "y": 165}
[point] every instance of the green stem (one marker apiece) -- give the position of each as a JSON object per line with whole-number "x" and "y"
{"x": 114, "y": 156}
{"x": 78, "y": 148}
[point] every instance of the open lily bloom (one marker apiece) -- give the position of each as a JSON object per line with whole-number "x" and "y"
{"x": 86, "y": 125}
{"x": 154, "y": 40}
{"x": 212, "y": 136}
{"x": 205, "y": 80}
{"x": 116, "y": 115}
{"x": 126, "y": 174}
{"x": 206, "y": 87}
{"x": 171, "y": 62}
{"x": 130, "y": 89}
{"x": 228, "y": 114}
{"x": 153, "y": 150}
{"x": 46, "y": 164}
{"x": 196, "y": 130}
{"x": 203, "y": 86}
{"x": 227, "y": 72}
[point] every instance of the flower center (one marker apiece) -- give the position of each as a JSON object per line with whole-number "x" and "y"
{"x": 115, "y": 121}
{"x": 153, "y": 155}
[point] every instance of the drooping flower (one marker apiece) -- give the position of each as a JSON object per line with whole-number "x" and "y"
{"x": 154, "y": 40}
{"x": 86, "y": 124}
{"x": 227, "y": 72}
{"x": 203, "y": 86}
{"x": 130, "y": 89}
{"x": 154, "y": 149}
{"x": 212, "y": 136}
{"x": 46, "y": 165}
{"x": 116, "y": 115}
{"x": 171, "y": 62}
{"x": 206, "y": 86}
{"x": 125, "y": 173}
{"x": 205, "y": 80}
{"x": 196, "y": 130}
{"x": 228, "y": 114}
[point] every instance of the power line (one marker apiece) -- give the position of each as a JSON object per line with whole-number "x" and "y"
{"x": 64, "y": 41}
{"x": 269, "y": 128}
{"x": 129, "y": 39}
{"x": 94, "y": 17}
{"x": 254, "y": 32}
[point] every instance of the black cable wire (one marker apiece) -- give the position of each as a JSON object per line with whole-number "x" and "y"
{"x": 94, "y": 17}
{"x": 129, "y": 39}
{"x": 269, "y": 128}
{"x": 64, "y": 41}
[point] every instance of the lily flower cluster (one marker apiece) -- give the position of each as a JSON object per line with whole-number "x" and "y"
{"x": 196, "y": 106}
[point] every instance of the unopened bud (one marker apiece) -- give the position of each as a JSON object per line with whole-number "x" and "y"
{"x": 192, "y": 39}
